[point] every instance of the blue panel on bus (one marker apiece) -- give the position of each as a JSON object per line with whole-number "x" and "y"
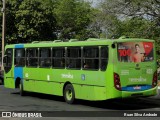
{"x": 137, "y": 88}
{"x": 19, "y": 46}
{"x": 18, "y": 72}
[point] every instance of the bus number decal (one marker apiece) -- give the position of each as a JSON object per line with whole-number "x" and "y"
{"x": 149, "y": 71}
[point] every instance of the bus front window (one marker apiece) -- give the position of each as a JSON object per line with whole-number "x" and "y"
{"x": 8, "y": 60}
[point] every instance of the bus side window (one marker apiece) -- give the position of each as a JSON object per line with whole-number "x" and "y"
{"x": 91, "y": 58}
{"x": 58, "y": 57}
{"x": 19, "y": 59}
{"x": 104, "y": 58}
{"x": 32, "y": 57}
{"x": 74, "y": 57}
{"x": 45, "y": 57}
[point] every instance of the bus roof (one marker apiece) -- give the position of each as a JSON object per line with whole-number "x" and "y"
{"x": 74, "y": 42}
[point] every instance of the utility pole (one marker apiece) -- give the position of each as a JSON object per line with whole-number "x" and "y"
{"x": 3, "y": 31}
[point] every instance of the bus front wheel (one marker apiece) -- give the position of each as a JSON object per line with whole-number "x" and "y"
{"x": 69, "y": 94}
{"x": 22, "y": 92}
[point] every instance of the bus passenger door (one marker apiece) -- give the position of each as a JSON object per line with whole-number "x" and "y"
{"x": 8, "y": 69}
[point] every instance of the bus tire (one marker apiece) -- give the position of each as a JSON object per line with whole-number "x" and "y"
{"x": 22, "y": 92}
{"x": 69, "y": 94}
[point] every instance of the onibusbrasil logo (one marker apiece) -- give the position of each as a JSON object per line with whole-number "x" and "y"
{"x": 21, "y": 114}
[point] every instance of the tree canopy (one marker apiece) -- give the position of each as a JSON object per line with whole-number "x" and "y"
{"x": 46, "y": 19}
{"x": 73, "y": 18}
{"x": 35, "y": 19}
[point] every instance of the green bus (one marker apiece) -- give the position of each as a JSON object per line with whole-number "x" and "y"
{"x": 95, "y": 69}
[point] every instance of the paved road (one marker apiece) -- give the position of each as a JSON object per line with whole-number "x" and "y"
{"x": 10, "y": 100}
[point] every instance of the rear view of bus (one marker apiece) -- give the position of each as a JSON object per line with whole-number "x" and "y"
{"x": 135, "y": 68}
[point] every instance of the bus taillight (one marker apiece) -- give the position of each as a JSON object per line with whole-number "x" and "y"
{"x": 117, "y": 83}
{"x": 154, "y": 81}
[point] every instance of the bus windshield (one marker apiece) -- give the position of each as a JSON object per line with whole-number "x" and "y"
{"x": 135, "y": 52}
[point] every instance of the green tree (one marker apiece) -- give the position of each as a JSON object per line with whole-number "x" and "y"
{"x": 39, "y": 20}
{"x": 11, "y": 7}
{"x": 11, "y": 30}
{"x": 35, "y": 20}
{"x": 73, "y": 18}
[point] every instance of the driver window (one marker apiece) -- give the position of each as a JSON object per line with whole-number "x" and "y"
{"x": 8, "y": 61}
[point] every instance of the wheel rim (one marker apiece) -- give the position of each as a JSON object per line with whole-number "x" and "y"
{"x": 69, "y": 94}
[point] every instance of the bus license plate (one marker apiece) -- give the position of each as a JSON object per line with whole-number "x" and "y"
{"x": 137, "y": 87}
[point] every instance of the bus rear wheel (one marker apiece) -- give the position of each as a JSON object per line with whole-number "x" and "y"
{"x": 69, "y": 94}
{"x": 22, "y": 92}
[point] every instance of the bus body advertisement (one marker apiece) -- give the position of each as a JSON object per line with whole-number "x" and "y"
{"x": 91, "y": 70}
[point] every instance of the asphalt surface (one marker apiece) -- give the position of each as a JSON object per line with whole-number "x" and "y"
{"x": 56, "y": 107}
